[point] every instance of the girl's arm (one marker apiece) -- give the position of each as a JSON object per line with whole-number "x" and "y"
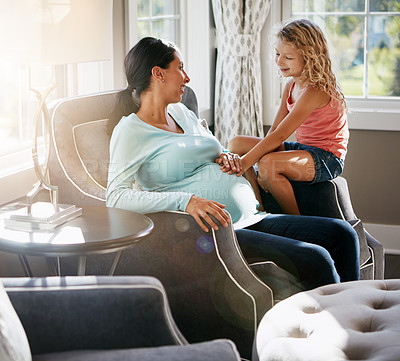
{"x": 309, "y": 100}
{"x": 282, "y": 110}
{"x": 232, "y": 163}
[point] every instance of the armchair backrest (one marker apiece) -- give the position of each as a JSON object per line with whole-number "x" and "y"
{"x": 79, "y": 154}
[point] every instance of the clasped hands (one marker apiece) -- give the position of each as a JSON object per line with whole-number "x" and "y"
{"x": 230, "y": 163}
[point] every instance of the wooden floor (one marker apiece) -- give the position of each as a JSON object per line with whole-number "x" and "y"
{"x": 392, "y": 266}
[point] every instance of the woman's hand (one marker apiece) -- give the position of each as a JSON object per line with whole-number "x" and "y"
{"x": 200, "y": 208}
{"x": 230, "y": 163}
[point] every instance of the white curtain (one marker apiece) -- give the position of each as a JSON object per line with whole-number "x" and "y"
{"x": 238, "y": 92}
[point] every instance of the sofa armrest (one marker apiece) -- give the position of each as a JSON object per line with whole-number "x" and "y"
{"x": 76, "y": 313}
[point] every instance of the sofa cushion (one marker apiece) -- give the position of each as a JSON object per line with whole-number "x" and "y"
{"x": 14, "y": 344}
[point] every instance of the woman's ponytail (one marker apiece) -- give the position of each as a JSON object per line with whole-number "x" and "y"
{"x": 125, "y": 104}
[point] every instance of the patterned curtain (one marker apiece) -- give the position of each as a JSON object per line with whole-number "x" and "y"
{"x": 238, "y": 92}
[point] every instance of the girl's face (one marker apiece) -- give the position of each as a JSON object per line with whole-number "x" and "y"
{"x": 289, "y": 60}
{"x": 176, "y": 77}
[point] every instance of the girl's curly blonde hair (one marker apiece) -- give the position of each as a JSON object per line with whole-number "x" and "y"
{"x": 310, "y": 41}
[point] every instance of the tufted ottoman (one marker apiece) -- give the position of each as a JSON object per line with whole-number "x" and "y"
{"x": 357, "y": 320}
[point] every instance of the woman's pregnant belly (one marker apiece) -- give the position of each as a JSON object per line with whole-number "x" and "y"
{"x": 208, "y": 181}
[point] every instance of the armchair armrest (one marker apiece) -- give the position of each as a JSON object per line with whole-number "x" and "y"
{"x": 378, "y": 253}
{"x": 325, "y": 199}
{"x": 77, "y": 313}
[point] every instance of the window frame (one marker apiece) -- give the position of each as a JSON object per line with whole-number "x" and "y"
{"x": 368, "y": 113}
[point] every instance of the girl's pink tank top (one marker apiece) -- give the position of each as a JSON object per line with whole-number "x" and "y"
{"x": 325, "y": 128}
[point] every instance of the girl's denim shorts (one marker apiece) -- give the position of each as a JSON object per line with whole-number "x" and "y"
{"x": 327, "y": 165}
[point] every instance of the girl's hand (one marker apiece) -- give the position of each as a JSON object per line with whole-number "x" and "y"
{"x": 230, "y": 163}
{"x": 243, "y": 166}
{"x": 200, "y": 208}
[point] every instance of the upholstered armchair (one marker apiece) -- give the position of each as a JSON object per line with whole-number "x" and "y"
{"x": 213, "y": 291}
{"x": 332, "y": 199}
{"x": 95, "y": 318}
{"x": 211, "y": 288}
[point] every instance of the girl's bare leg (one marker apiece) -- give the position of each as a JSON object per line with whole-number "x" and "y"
{"x": 251, "y": 176}
{"x": 274, "y": 171}
{"x": 241, "y": 144}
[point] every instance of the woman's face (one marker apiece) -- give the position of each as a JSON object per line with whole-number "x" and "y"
{"x": 289, "y": 60}
{"x": 175, "y": 77}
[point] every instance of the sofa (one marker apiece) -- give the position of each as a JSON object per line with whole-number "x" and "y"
{"x": 95, "y": 318}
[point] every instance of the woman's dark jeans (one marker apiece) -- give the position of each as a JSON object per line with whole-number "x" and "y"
{"x": 316, "y": 250}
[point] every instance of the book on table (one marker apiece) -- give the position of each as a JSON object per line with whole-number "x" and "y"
{"x": 39, "y": 216}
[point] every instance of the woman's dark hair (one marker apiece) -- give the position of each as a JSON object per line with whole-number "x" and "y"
{"x": 139, "y": 62}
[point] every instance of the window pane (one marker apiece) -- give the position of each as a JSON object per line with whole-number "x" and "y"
{"x": 165, "y": 29}
{"x": 164, "y": 7}
{"x": 143, "y": 29}
{"x": 346, "y": 48}
{"x": 346, "y": 45}
{"x": 163, "y": 21}
{"x": 347, "y": 37}
{"x": 143, "y": 9}
{"x": 327, "y": 6}
{"x": 384, "y": 5}
{"x": 9, "y": 107}
{"x": 384, "y": 56}
{"x": 18, "y": 104}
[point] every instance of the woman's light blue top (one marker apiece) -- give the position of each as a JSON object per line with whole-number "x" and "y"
{"x": 153, "y": 170}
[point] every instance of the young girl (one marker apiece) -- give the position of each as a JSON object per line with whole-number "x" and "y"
{"x": 312, "y": 106}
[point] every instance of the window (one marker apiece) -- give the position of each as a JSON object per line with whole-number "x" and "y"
{"x": 159, "y": 18}
{"x": 18, "y": 103}
{"x": 16, "y": 106}
{"x": 187, "y": 24}
{"x": 368, "y": 61}
{"x": 364, "y": 43}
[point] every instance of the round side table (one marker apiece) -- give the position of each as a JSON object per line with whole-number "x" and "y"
{"x": 98, "y": 230}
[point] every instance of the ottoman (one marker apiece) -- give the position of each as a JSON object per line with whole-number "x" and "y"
{"x": 357, "y": 320}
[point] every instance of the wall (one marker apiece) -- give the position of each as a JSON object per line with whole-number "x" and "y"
{"x": 373, "y": 173}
